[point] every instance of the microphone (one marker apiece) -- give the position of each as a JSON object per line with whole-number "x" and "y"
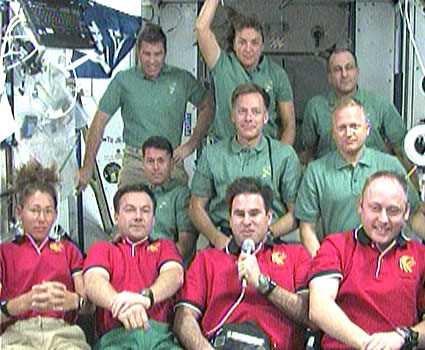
{"x": 248, "y": 246}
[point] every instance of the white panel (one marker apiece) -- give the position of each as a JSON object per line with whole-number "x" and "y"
{"x": 418, "y": 102}
{"x": 178, "y": 22}
{"x": 375, "y": 31}
{"x": 110, "y": 151}
{"x": 130, "y": 7}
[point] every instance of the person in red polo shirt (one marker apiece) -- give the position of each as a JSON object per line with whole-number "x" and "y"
{"x": 266, "y": 286}
{"x": 41, "y": 285}
{"x": 132, "y": 279}
{"x": 367, "y": 286}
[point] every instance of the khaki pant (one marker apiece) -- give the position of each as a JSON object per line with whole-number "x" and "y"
{"x": 132, "y": 172}
{"x": 43, "y": 333}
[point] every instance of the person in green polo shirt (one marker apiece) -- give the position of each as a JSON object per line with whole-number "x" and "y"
{"x": 245, "y": 64}
{"x": 152, "y": 98}
{"x": 248, "y": 153}
{"x": 332, "y": 184}
{"x": 386, "y": 126}
{"x": 171, "y": 216}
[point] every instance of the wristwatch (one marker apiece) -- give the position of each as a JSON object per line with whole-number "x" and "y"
{"x": 148, "y": 294}
{"x": 3, "y": 308}
{"x": 265, "y": 285}
{"x": 410, "y": 337}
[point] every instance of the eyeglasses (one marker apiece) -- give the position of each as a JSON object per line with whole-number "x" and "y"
{"x": 47, "y": 212}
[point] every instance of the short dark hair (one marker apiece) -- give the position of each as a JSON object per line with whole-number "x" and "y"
{"x": 337, "y": 51}
{"x": 33, "y": 177}
{"x": 133, "y": 188}
{"x": 158, "y": 142}
{"x": 151, "y": 33}
{"x": 250, "y": 88}
{"x": 249, "y": 185}
{"x": 401, "y": 180}
{"x": 240, "y": 22}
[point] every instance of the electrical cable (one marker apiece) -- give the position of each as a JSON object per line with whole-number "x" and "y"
{"x": 405, "y": 15}
{"x": 10, "y": 42}
{"x": 235, "y": 304}
{"x": 229, "y": 312}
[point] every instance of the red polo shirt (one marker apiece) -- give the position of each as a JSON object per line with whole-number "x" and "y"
{"x": 212, "y": 286}
{"x": 24, "y": 264}
{"x": 132, "y": 267}
{"x": 379, "y": 290}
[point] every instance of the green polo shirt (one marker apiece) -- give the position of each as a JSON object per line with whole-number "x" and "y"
{"x": 171, "y": 215}
{"x": 273, "y": 162}
{"x": 152, "y": 107}
{"x": 386, "y": 124}
{"x": 331, "y": 186}
{"x": 228, "y": 73}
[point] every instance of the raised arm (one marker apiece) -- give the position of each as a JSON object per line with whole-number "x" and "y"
{"x": 186, "y": 326}
{"x": 206, "y": 39}
{"x": 201, "y": 220}
{"x": 93, "y": 140}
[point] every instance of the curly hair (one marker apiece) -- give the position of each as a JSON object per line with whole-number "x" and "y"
{"x": 239, "y": 22}
{"x": 33, "y": 177}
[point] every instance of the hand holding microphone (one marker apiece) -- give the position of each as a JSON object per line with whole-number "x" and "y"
{"x": 247, "y": 263}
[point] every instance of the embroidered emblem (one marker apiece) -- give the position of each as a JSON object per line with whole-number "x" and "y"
{"x": 266, "y": 172}
{"x": 268, "y": 86}
{"x": 56, "y": 247}
{"x": 406, "y": 263}
{"x": 278, "y": 258}
{"x": 162, "y": 205}
{"x": 154, "y": 247}
{"x": 172, "y": 87}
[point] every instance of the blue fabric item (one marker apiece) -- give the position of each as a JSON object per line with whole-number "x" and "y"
{"x": 114, "y": 33}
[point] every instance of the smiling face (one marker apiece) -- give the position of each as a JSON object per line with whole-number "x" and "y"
{"x": 248, "y": 46}
{"x": 248, "y": 218}
{"x": 249, "y": 115}
{"x": 151, "y": 58}
{"x": 157, "y": 164}
{"x": 343, "y": 73}
{"x": 383, "y": 209}
{"x": 135, "y": 217}
{"x": 37, "y": 214}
